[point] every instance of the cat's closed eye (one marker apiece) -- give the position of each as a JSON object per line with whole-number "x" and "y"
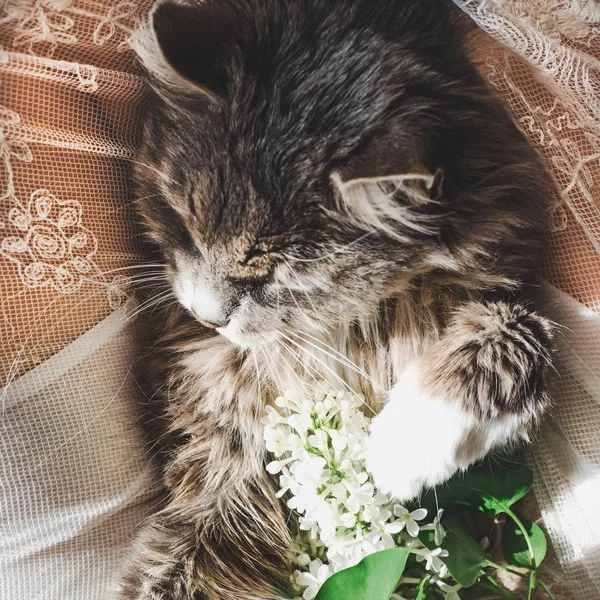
{"x": 254, "y": 255}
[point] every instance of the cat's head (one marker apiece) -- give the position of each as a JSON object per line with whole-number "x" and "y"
{"x": 305, "y": 160}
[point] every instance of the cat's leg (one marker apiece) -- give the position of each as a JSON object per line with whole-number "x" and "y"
{"x": 222, "y": 536}
{"x": 481, "y": 386}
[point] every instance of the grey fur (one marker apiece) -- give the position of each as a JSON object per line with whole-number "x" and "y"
{"x": 341, "y": 178}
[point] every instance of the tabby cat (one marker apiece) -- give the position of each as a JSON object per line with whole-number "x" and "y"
{"x": 335, "y": 193}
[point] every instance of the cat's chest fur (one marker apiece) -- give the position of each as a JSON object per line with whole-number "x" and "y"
{"x": 363, "y": 357}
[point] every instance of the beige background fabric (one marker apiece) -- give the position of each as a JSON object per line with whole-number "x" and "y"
{"x": 69, "y": 105}
{"x": 550, "y": 79}
{"x": 75, "y": 480}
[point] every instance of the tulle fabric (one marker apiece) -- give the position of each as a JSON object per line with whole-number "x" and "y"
{"x": 76, "y": 479}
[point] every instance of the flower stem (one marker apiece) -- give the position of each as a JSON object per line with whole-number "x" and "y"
{"x": 532, "y": 585}
{"x": 520, "y": 525}
{"x": 416, "y": 580}
{"x": 546, "y": 590}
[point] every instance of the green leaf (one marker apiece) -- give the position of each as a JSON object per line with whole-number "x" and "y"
{"x": 515, "y": 548}
{"x": 466, "y": 560}
{"x": 489, "y": 486}
{"x": 421, "y": 589}
{"x": 375, "y": 577}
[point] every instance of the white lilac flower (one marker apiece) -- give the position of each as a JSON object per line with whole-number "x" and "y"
{"x": 450, "y": 591}
{"x": 339, "y": 442}
{"x": 322, "y": 517}
{"x": 382, "y": 530}
{"x": 301, "y": 422}
{"x": 276, "y": 439}
{"x": 352, "y": 422}
{"x": 362, "y": 546}
{"x": 353, "y": 479}
{"x": 318, "y": 442}
{"x": 372, "y": 510}
{"x": 433, "y": 559}
{"x": 313, "y": 579}
{"x": 289, "y": 401}
{"x": 276, "y": 466}
{"x": 439, "y": 531}
{"x": 296, "y": 444}
{"x": 310, "y": 470}
{"x": 272, "y": 417}
{"x": 410, "y": 518}
{"x": 359, "y": 497}
{"x": 338, "y": 546}
{"x": 286, "y": 482}
{"x": 302, "y": 559}
{"x": 305, "y": 497}
{"x": 348, "y": 520}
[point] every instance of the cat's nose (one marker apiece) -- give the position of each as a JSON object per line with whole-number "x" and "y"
{"x": 209, "y": 324}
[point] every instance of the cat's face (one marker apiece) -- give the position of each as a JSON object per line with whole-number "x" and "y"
{"x": 293, "y": 156}
{"x": 257, "y": 263}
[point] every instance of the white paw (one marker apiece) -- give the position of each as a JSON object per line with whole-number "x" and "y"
{"x": 417, "y": 441}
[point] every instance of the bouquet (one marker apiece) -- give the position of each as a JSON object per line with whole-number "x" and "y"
{"x": 352, "y": 541}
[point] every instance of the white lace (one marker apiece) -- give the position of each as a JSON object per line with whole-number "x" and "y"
{"x": 548, "y": 70}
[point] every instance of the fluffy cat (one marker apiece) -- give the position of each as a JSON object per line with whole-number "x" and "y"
{"x": 335, "y": 193}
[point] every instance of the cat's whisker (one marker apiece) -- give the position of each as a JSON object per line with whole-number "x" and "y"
{"x": 12, "y": 371}
{"x": 158, "y": 282}
{"x": 130, "y": 283}
{"x": 271, "y": 364}
{"x": 77, "y": 433}
{"x": 258, "y": 384}
{"x": 302, "y": 287}
{"x": 281, "y": 355}
{"x": 294, "y": 373}
{"x": 308, "y": 393}
{"x": 337, "y": 356}
{"x": 152, "y": 302}
{"x": 308, "y": 367}
{"x": 97, "y": 279}
{"x": 135, "y": 199}
{"x": 329, "y": 369}
{"x": 330, "y": 254}
{"x": 295, "y": 301}
{"x": 130, "y": 267}
{"x": 155, "y": 170}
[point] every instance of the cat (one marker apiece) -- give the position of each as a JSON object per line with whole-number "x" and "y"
{"x": 335, "y": 193}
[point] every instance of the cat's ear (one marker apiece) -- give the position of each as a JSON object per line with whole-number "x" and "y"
{"x": 388, "y": 189}
{"x": 184, "y": 48}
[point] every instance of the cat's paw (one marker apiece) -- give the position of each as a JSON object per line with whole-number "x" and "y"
{"x": 420, "y": 439}
{"x": 416, "y": 440}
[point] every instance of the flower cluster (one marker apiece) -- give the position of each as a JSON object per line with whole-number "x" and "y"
{"x": 318, "y": 442}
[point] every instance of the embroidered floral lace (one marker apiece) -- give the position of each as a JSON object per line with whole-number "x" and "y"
{"x": 74, "y": 481}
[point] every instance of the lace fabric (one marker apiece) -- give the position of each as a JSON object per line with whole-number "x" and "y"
{"x": 69, "y": 102}
{"x": 548, "y": 71}
{"x": 70, "y": 96}
{"x": 547, "y": 67}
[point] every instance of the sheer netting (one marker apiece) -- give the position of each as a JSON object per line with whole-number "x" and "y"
{"x": 74, "y": 478}
{"x": 547, "y": 67}
{"x": 75, "y": 481}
